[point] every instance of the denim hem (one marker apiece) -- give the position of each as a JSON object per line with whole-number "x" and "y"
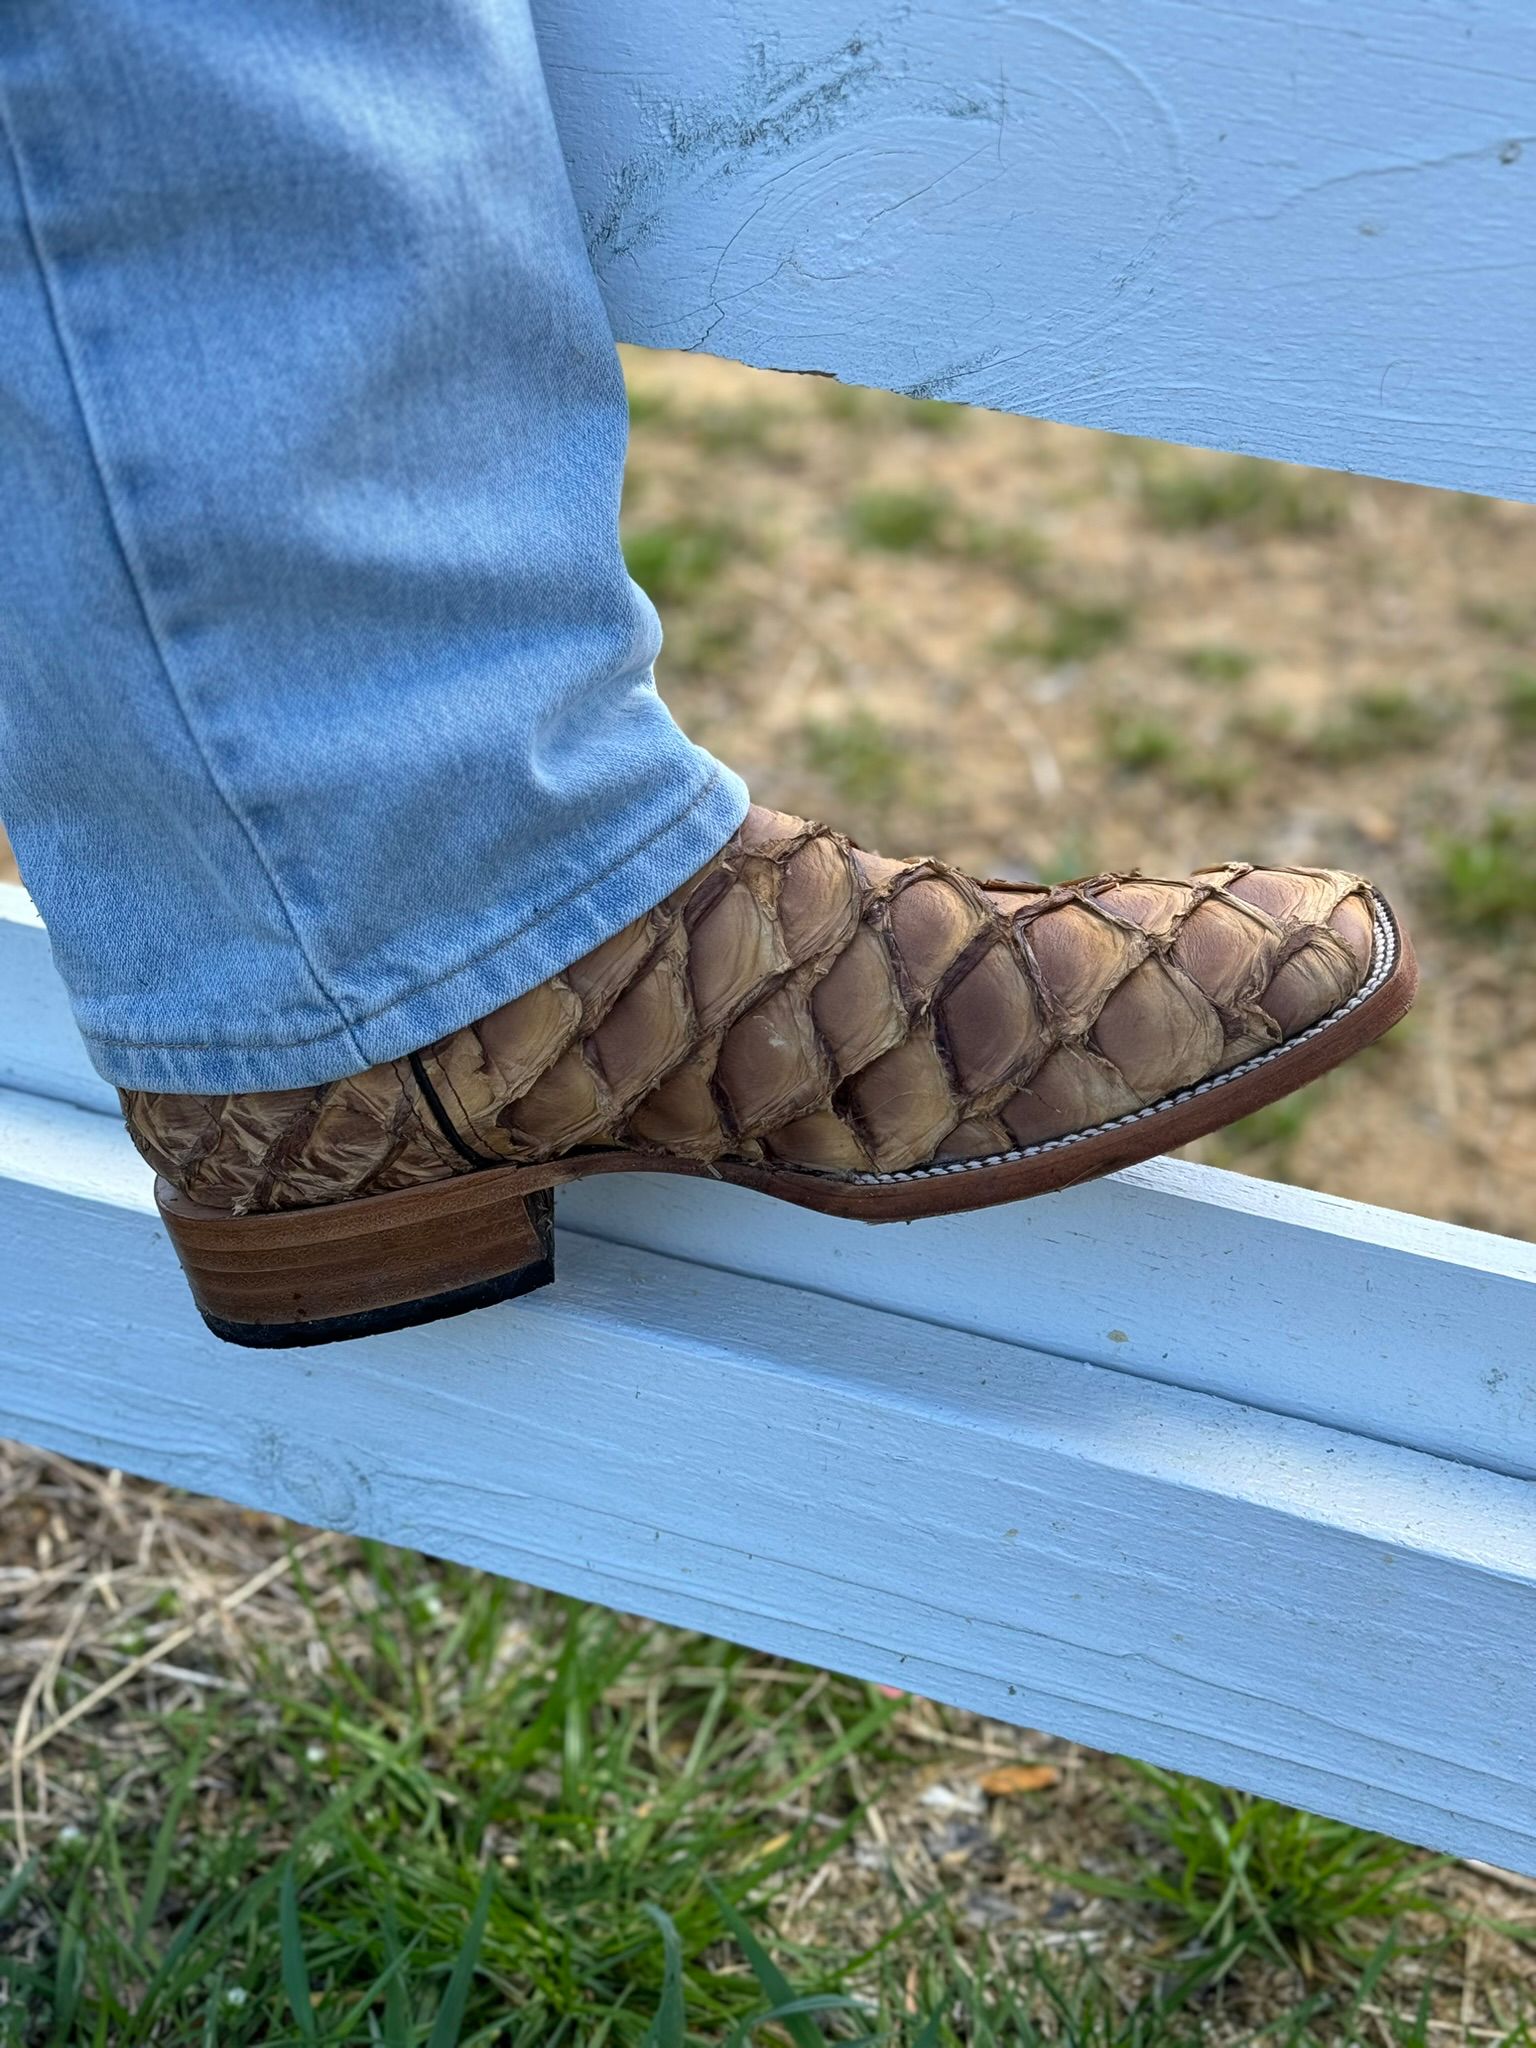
{"x": 417, "y": 1016}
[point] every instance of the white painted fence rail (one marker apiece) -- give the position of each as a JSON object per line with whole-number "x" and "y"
{"x": 1300, "y": 228}
{"x": 1221, "y": 1474}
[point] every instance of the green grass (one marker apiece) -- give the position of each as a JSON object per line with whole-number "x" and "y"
{"x": 1485, "y": 880}
{"x": 1378, "y": 722}
{"x": 1267, "y": 726}
{"x": 1236, "y": 1877}
{"x": 1075, "y": 630}
{"x": 846, "y": 405}
{"x": 856, "y": 406}
{"x": 900, "y": 522}
{"x": 1018, "y": 551}
{"x": 936, "y": 416}
{"x": 1256, "y": 497}
{"x": 1137, "y": 744}
{"x": 677, "y": 559}
{"x": 926, "y": 522}
{"x": 865, "y": 763}
{"x": 486, "y": 1816}
{"x": 709, "y": 640}
{"x": 566, "y": 1846}
{"x": 1517, "y": 699}
{"x": 648, "y": 408}
{"x": 750, "y": 429}
{"x": 1512, "y": 622}
{"x": 1072, "y": 858}
{"x": 1266, "y": 1140}
{"x": 1217, "y": 664}
{"x": 1219, "y": 779}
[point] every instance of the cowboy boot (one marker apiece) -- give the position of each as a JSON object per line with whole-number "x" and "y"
{"x": 881, "y": 1039}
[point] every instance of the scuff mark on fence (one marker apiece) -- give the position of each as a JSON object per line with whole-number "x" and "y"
{"x": 778, "y": 108}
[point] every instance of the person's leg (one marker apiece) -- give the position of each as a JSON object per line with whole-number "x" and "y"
{"x": 326, "y": 713}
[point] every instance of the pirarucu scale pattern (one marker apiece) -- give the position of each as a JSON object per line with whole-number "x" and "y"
{"x": 805, "y": 1004}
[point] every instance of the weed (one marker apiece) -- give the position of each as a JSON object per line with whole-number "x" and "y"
{"x": 1240, "y": 1876}
{"x": 936, "y": 416}
{"x": 699, "y": 645}
{"x": 648, "y": 408}
{"x": 898, "y": 521}
{"x": 1267, "y": 726}
{"x": 1485, "y": 880}
{"x": 845, "y": 404}
{"x": 1377, "y": 722}
{"x": 861, "y": 758}
{"x": 1258, "y": 497}
{"x": 1215, "y": 778}
{"x": 674, "y": 560}
{"x": 437, "y": 1841}
{"x": 1037, "y": 2000}
{"x": 1518, "y": 699}
{"x": 1516, "y": 623}
{"x": 1217, "y": 664}
{"x": 1271, "y": 1132}
{"x": 1017, "y": 550}
{"x": 1077, "y": 632}
{"x": 734, "y": 429}
{"x": 1139, "y": 744}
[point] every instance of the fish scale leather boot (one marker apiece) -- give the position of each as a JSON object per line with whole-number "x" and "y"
{"x": 874, "y": 1038}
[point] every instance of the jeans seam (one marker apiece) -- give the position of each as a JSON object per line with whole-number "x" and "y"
{"x": 420, "y": 988}
{"x": 137, "y": 582}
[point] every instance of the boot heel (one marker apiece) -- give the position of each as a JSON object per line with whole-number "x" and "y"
{"x": 353, "y": 1269}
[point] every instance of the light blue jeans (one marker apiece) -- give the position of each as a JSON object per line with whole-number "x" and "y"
{"x": 326, "y": 712}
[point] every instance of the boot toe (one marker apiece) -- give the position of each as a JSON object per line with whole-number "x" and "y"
{"x": 1276, "y": 950}
{"x": 1218, "y": 970}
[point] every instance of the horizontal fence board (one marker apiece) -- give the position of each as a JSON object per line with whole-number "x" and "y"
{"x": 40, "y": 1049}
{"x": 1332, "y": 1621}
{"x": 1369, "y": 1320}
{"x": 1300, "y": 230}
{"x": 1383, "y": 1324}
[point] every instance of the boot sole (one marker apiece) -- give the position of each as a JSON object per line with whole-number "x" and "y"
{"x": 386, "y": 1262}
